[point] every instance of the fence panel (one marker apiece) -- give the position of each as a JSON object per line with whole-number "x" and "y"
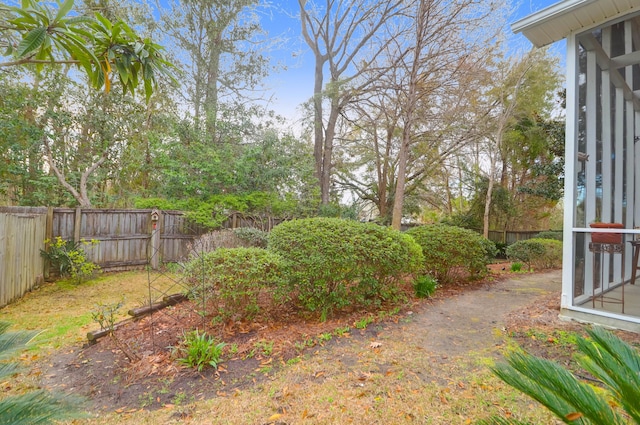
{"x": 22, "y": 235}
{"x": 122, "y": 236}
{"x": 176, "y": 236}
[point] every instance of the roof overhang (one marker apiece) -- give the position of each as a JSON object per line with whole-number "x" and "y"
{"x": 565, "y": 17}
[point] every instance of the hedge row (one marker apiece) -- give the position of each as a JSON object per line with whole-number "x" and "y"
{"x": 327, "y": 264}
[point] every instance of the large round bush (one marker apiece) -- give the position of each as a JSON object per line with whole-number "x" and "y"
{"x": 452, "y": 252}
{"x": 332, "y": 263}
{"x": 537, "y": 253}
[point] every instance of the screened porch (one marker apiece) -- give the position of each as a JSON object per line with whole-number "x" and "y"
{"x": 602, "y": 172}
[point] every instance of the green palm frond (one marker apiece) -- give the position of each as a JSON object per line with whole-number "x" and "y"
{"x": 617, "y": 365}
{"x": 606, "y": 357}
{"x": 36, "y": 407}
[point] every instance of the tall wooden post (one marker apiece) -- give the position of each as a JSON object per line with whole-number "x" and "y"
{"x": 48, "y": 235}
{"x": 155, "y": 253}
{"x": 77, "y": 224}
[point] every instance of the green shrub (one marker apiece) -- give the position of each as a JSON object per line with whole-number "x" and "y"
{"x": 451, "y": 252}
{"x": 237, "y": 275}
{"x": 198, "y": 350}
{"x": 70, "y": 259}
{"x": 527, "y": 251}
{"x": 252, "y": 236}
{"x": 550, "y": 234}
{"x": 552, "y": 257}
{"x": 501, "y": 248}
{"x": 537, "y": 253}
{"x": 424, "y": 286}
{"x": 490, "y": 249}
{"x": 333, "y": 263}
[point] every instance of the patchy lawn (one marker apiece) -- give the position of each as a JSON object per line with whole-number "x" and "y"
{"x": 425, "y": 363}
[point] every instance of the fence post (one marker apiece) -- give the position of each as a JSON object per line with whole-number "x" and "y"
{"x": 48, "y": 235}
{"x": 156, "y": 218}
{"x": 76, "y": 225}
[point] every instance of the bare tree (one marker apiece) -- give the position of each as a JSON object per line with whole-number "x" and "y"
{"x": 446, "y": 35}
{"x": 420, "y": 114}
{"x": 346, "y": 37}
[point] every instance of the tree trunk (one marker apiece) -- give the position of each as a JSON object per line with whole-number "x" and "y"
{"x": 487, "y": 201}
{"x": 318, "y": 142}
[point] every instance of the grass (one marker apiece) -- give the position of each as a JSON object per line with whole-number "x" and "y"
{"x": 399, "y": 383}
{"x": 62, "y": 310}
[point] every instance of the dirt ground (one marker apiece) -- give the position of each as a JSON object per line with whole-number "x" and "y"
{"x": 135, "y": 370}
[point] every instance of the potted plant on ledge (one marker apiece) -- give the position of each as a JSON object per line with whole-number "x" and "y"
{"x": 606, "y": 237}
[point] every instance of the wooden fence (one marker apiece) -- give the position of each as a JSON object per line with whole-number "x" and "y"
{"x": 22, "y": 232}
{"x": 511, "y": 236}
{"x": 127, "y": 239}
{"x": 257, "y": 221}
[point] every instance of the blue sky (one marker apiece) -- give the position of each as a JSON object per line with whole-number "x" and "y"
{"x": 294, "y": 86}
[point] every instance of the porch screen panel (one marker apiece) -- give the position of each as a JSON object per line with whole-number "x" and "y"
{"x": 607, "y": 183}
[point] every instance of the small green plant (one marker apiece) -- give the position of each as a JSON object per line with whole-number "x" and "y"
{"x": 363, "y": 323}
{"x": 516, "y": 267}
{"x": 70, "y": 259}
{"x": 198, "y": 350}
{"x": 605, "y": 356}
{"x": 265, "y": 347}
{"x": 306, "y": 343}
{"x": 146, "y": 399}
{"x": 424, "y": 286}
{"x": 179, "y": 398}
{"x": 105, "y": 314}
{"x": 324, "y": 337}
{"x": 342, "y": 331}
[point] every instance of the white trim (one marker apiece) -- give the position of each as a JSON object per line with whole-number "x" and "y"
{"x": 629, "y": 150}
{"x": 538, "y": 26}
{"x": 550, "y": 12}
{"x": 571, "y": 165}
{"x": 604, "y": 313}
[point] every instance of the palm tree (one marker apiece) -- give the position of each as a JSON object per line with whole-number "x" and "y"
{"x": 605, "y": 356}
{"x": 35, "y": 407}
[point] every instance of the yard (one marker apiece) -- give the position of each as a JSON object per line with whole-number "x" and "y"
{"x": 426, "y": 362}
